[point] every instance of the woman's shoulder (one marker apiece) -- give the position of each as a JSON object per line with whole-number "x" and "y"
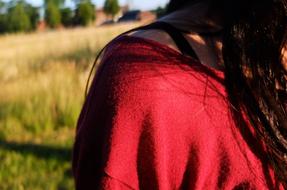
{"x": 136, "y": 70}
{"x": 153, "y": 46}
{"x": 138, "y": 47}
{"x": 134, "y": 56}
{"x": 129, "y": 57}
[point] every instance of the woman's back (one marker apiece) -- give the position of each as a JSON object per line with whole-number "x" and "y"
{"x": 161, "y": 120}
{"x": 156, "y": 118}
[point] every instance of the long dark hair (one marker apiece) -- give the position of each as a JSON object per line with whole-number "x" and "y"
{"x": 254, "y": 37}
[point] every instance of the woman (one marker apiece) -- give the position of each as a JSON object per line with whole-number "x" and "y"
{"x": 196, "y": 100}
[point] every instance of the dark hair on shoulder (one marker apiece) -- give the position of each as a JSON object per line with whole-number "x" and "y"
{"x": 253, "y": 41}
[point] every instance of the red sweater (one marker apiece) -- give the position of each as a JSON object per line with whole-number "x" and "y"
{"x": 155, "y": 119}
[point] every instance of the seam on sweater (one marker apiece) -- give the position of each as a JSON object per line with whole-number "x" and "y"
{"x": 120, "y": 181}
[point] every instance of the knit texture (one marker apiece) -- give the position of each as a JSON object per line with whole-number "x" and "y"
{"x": 157, "y": 120}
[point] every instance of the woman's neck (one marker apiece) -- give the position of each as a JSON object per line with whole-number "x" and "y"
{"x": 198, "y": 19}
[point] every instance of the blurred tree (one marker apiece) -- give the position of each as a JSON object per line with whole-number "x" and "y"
{"x": 3, "y": 17}
{"x": 111, "y": 7}
{"x": 85, "y": 13}
{"x": 3, "y": 23}
{"x": 58, "y": 3}
{"x": 52, "y": 14}
{"x": 18, "y": 15}
{"x": 34, "y": 16}
{"x": 67, "y": 17}
{"x": 2, "y": 6}
{"x": 17, "y": 18}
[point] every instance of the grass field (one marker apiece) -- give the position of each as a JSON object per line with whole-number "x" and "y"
{"x": 42, "y": 79}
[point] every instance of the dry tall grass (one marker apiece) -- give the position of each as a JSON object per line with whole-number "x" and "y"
{"x": 20, "y": 52}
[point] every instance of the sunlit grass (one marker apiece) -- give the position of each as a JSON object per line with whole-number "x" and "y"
{"x": 41, "y": 102}
{"x": 42, "y": 79}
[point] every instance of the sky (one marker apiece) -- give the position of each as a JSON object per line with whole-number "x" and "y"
{"x": 135, "y": 4}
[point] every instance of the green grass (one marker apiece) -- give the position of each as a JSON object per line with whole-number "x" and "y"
{"x": 28, "y": 166}
{"x": 42, "y": 79}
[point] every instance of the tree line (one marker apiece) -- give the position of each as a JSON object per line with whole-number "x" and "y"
{"x": 20, "y": 16}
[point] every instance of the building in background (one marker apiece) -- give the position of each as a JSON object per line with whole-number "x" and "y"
{"x": 124, "y": 15}
{"x": 102, "y": 17}
{"x": 137, "y": 15}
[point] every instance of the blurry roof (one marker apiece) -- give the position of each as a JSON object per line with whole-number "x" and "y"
{"x": 130, "y": 16}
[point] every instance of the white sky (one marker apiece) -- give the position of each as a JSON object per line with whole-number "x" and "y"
{"x": 135, "y": 4}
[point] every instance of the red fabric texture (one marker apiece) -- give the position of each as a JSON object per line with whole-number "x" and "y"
{"x": 157, "y": 120}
